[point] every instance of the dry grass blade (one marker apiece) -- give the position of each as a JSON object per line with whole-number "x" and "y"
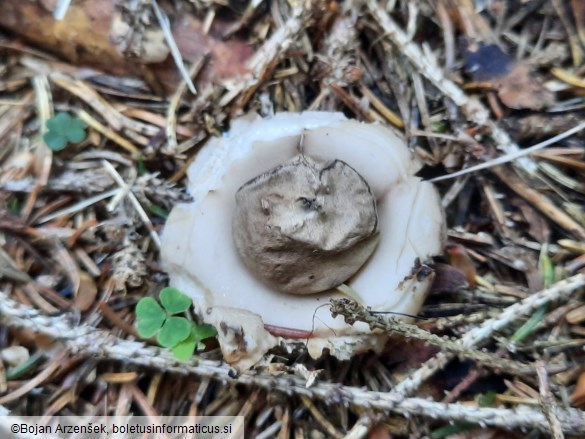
{"x": 541, "y": 202}
{"x": 86, "y": 93}
{"x": 78, "y": 206}
{"x": 163, "y": 21}
{"x": 171, "y": 119}
{"x": 512, "y": 155}
{"x": 113, "y": 136}
{"x": 331, "y": 430}
{"x": 135, "y": 203}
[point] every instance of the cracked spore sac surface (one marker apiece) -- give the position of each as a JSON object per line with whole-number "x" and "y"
{"x": 305, "y": 226}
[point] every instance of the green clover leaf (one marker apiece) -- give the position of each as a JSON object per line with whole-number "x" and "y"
{"x": 174, "y": 301}
{"x": 173, "y": 331}
{"x": 181, "y": 335}
{"x": 205, "y": 331}
{"x": 55, "y": 141}
{"x": 62, "y": 129}
{"x": 150, "y": 317}
{"x": 185, "y": 349}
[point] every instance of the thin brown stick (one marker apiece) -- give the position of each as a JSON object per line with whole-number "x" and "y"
{"x": 115, "y": 319}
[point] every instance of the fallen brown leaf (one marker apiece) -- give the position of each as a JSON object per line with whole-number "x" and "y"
{"x": 86, "y": 293}
{"x": 448, "y": 279}
{"x": 84, "y": 36}
{"x": 521, "y": 89}
{"x": 460, "y": 260}
{"x": 578, "y": 395}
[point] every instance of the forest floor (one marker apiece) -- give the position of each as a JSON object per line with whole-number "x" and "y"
{"x": 471, "y": 85}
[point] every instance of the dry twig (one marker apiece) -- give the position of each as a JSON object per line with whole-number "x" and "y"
{"x": 560, "y": 290}
{"x": 352, "y": 312}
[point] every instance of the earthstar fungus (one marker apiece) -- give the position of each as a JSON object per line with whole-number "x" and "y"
{"x": 305, "y": 226}
{"x": 286, "y": 209}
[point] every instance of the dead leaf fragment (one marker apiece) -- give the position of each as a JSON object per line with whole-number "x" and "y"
{"x": 129, "y": 268}
{"x": 517, "y": 84}
{"x": 578, "y": 395}
{"x": 93, "y": 34}
{"x": 309, "y": 375}
{"x": 576, "y": 315}
{"x": 459, "y": 259}
{"x": 520, "y": 89}
{"x": 448, "y": 279}
{"x": 86, "y": 293}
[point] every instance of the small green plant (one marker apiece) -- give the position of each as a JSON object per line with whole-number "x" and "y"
{"x": 62, "y": 129}
{"x": 13, "y": 206}
{"x": 488, "y": 399}
{"x": 181, "y": 335}
{"x": 161, "y": 212}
